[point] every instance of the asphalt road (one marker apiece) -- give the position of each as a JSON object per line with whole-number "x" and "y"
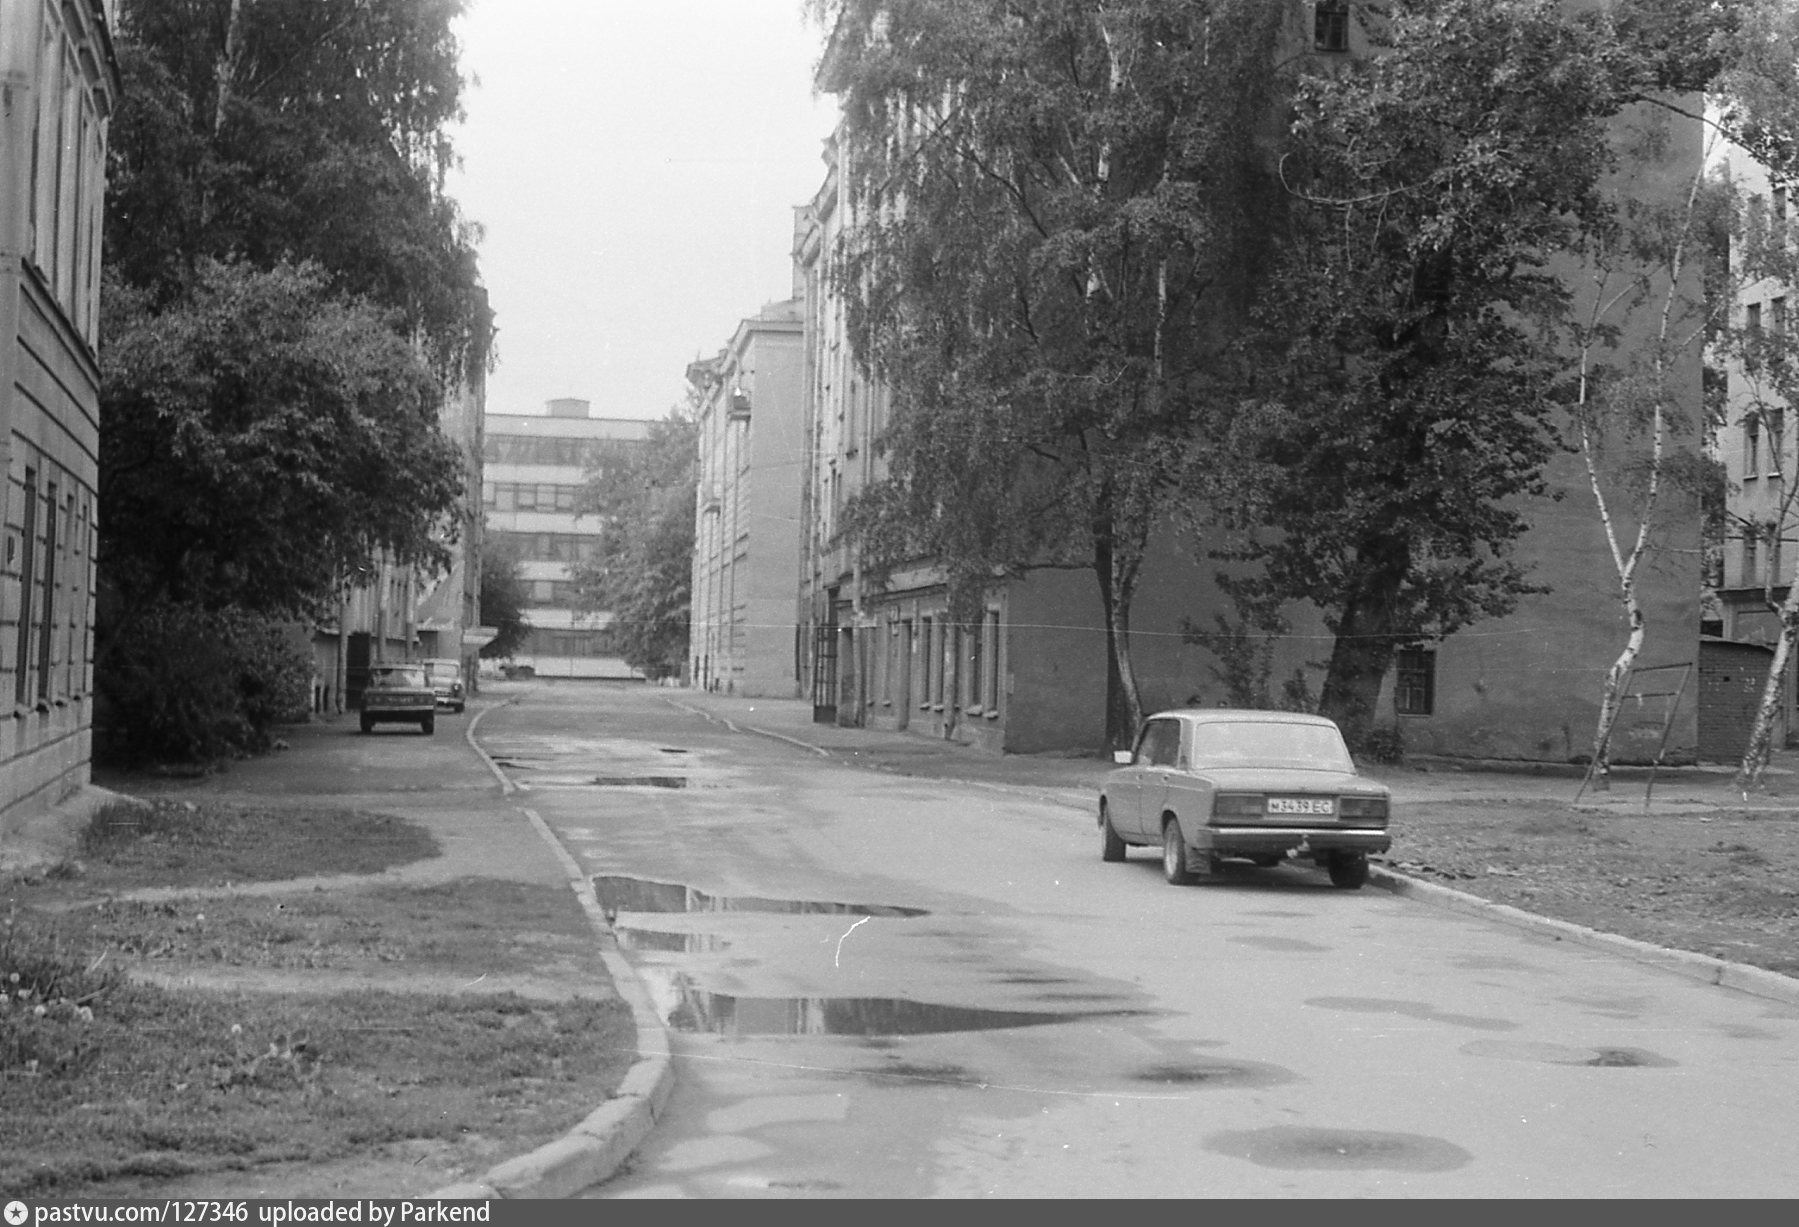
{"x": 892, "y": 987}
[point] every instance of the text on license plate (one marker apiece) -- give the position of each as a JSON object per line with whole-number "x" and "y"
{"x": 1301, "y": 805}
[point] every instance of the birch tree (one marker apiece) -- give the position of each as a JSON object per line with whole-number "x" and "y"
{"x": 1059, "y": 206}
{"x": 1637, "y": 334}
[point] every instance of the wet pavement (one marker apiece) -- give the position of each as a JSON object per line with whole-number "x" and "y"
{"x": 920, "y": 980}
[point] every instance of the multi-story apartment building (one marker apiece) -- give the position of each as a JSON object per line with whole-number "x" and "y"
{"x": 1030, "y": 672}
{"x": 1755, "y": 444}
{"x": 747, "y": 526}
{"x": 60, "y": 85}
{"x": 533, "y": 467}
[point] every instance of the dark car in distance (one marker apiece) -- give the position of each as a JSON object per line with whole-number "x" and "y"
{"x": 399, "y": 694}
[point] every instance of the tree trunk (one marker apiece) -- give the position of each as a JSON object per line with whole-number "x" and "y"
{"x": 1761, "y": 734}
{"x": 1365, "y": 642}
{"x": 1115, "y": 566}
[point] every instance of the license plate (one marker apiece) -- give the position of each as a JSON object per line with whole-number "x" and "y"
{"x": 1301, "y": 805}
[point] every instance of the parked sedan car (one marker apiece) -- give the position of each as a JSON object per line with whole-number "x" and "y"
{"x": 446, "y": 682}
{"x": 399, "y": 694}
{"x": 1204, "y": 784}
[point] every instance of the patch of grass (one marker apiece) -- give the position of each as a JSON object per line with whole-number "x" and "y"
{"x": 470, "y": 925}
{"x": 202, "y": 1082}
{"x": 130, "y": 845}
{"x": 1721, "y": 883}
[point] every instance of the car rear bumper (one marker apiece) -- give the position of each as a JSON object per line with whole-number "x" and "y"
{"x": 1268, "y": 841}
{"x": 398, "y": 713}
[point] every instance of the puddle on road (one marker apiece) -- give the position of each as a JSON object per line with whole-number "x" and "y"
{"x": 1217, "y": 1073}
{"x": 666, "y": 942}
{"x": 701, "y": 1012}
{"x": 1283, "y": 945}
{"x": 623, "y": 894}
{"x": 1567, "y": 1054}
{"x": 1411, "y": 1009}
{"x": 640, "y": 781}
{"x": 1297, "y": 1148}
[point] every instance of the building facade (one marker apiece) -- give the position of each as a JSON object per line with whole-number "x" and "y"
{"x": 60, "y": 86}
{"x": 744, "y": 626}
{"x": 1029, "y": 673}
{"x": 533, "y": 467}
{"x": 1755, "y": 569}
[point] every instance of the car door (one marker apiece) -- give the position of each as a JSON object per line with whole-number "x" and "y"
{"x": 1124, "y": 791}
{"x": 1159, "y": 753}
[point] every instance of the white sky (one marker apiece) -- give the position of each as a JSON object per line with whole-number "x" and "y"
{"x": 635, "y": 165}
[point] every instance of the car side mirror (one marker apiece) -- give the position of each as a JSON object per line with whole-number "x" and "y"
{"x": 1123, "y": 758}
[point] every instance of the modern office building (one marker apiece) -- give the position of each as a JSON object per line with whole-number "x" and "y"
{"x": 533, "y": 467}
{"x": 60, "y": 85}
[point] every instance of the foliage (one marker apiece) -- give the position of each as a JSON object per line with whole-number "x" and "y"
{"x": 1402, "y": 372}
{"x": 189, "y": 684}
{"x": 1055, "y": 219}
{"x": 641, "y": 570}
{"x": 261, "y": 438}
{"x": 502, "y": 599}
{"x": 294, "y": 131}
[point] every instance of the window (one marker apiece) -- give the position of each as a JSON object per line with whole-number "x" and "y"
{"x": 1752, "y": 446}
{"x": 1415, "y": 685}
{"x": 927, "y": 635}
{"x": 1780, "y": 204}
{"x": 977, "y": 674}
{"x": 46, "y": 656}
{"x": 991, "y": 685}
{"x": 1754, "y": 317}
{"x": 1161, "y": 744}
{"x": 1777, "y": 316}
{"x": 1773, "y": 422}
{"x": 27, "y": 573}
{"x": 1330, "y": 25}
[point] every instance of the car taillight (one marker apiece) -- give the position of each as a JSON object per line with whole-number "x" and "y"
{"x": 1239, "y": 805}
{"x": 1363, "y": 807}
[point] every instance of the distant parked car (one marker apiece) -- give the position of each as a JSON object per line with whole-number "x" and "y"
{"x": 446, "y": 682}
{"x": 399, "y": 694}
{"x": 1203, "y": 784}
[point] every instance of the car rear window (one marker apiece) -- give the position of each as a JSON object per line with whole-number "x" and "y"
{"x": 391, "y": 678}
{"x": 1307, "y": 747}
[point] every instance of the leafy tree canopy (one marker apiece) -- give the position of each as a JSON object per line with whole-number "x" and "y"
{"x": 261, "y": 438}
{"x": 1056, "y": 209}
{"x": 301, "y": 130}
{"x": 642, "y": 569}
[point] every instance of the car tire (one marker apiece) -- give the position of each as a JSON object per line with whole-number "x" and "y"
{"x": 1174, "y": 855}
{"x": 368, "y": 726}
{"x": 1349, "y": 870}
{"x": 428, "y": 725}
{"x": 1111, "y": 847}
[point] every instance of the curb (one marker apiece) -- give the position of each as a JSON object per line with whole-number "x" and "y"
{"x": 597, "y": 1147}
{"x": 1756, "y": 981}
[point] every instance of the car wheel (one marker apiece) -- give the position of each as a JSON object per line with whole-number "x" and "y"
{"x": 428, "y": 725}
{"x": 368, "y": 726}
{"x": 1349, "y": 870}
{"x": 1174, "y": 855}
{"x": 1111, "y": 848}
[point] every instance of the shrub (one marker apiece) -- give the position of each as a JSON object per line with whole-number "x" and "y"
{"x": 1383, "y": 744}
{"x": 186, "y": 684}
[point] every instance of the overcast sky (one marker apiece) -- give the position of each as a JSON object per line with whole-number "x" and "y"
{"x": 635, "y": 165}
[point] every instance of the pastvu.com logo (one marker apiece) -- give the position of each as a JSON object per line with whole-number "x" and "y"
{"x": 16, "y": 1213}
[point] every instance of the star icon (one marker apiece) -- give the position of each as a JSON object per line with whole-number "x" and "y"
{"x": 16, "y": 1213}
